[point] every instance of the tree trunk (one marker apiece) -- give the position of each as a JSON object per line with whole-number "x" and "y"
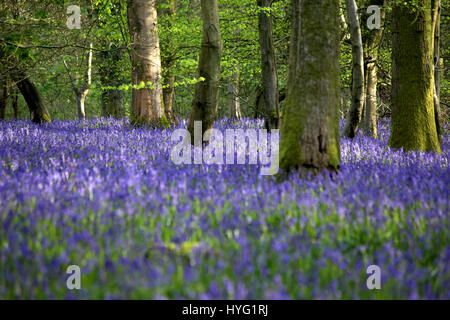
{"x": 31, "y": 95}
{"x": 358, "y": 93}
{"x": 169, "y": 97}
{"x": 81, "y": 92}
{"x": 205, "y": 102}
{"x": 372, "y": 43}
{"x": 413, "y": 124}
{"x": 269, "y": 81}
{"x": 146, "y": 62}
{"x": 3, "y": 100}
{"x": 167, "y": 62}
{"x": 84, "y": 90}
{"x": 233, "y": 96}
{"x": 436, "y": 5}
{"x": 310, "y": 127}
{"x": 15, "y": 102}
{"x": 344, "y": 27}
{"x": 110, "y": 76}
{"x": 112, "y": 103}
{"x": 81, "y": 97}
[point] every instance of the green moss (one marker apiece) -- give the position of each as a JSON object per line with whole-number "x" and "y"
{"x": 46, "y": 117}
{"x": 413, "y": 122}
{"x": 310, "y": 127}
{"x": 141, "y": 121}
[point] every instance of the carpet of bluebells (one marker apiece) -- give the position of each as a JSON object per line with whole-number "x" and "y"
{"x": 104, "y": 196}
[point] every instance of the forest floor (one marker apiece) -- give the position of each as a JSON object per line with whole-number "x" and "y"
{"x": 108, "y": 198}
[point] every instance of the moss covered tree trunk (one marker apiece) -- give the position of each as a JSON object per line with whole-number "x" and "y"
{"x": 358, "y": 92}
{"x": 111, "y": 76}
{"x": 206, "y": 98}
{"x": 269, "y": 73}
{"x": 310, "y": 127}
{"x": 372, "y": 41}
{"x": 147, "y": 105}
{"x": 413, "y": 117}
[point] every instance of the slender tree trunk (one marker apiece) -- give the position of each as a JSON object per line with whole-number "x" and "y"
{"x": 372, "y": 43}
{"x": 15, "y": 102}
{"x": 110, "y": 76}
{"x": 3, "y": 100}
{"x": 436, "y": 5}
{"x": 310, "y": 127}
{"x": 81, "y": 98}
{"x": 358, "y": 93}
{"x": 370, "y": 108}
{"x": 169, "y": 97}
{"x": 233, "y": 95}
{"x": 269, "y": 81}
{"x": 82, "y": 92}
{"x": 147, "y": 105}
{"x": 205, "y": 102}
{"x": 168, "y": 61}
{"x": 344, "y": 27}
{"x": 413, "y": 118}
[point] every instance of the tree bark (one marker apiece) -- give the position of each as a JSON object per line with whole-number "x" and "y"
{"x": 82, "y": 91}
{"x": 436, "y": 5}
{"x": 168, "y": 61}
{"x": 233, "y": 95}
{"x": 31, "y": 95}
{"x": 358, "y": 93}
{"x": 110, "y": 76}
{"x": 205, "y": 102}
{"x": 269, "y": 81}
{"x": 147, "y": 105}
{"x": 413, "y": 124}
{"x": 4, "y": 98}
{"x": 372, "y": 43}
{"x": 310, "y": 126}
{"x": 15, "y": 102}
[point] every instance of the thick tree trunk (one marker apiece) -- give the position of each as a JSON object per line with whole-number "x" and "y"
{"x": 110, "y": 75}
{"x": 146, "y": 62}
{"x": 358, "y": 93}
{"x": 413, "y": 118}
{"x": 269, "y": 81}
{"x": 372, "y": 43}
{"x": 32, "y": 97}
{"x": 167, "y": 62}
{"x": 234, "y": 104}
{"x": 205, "y": 102}
{"x": 436, "y": 5}
{"x": 310, "y": 127}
